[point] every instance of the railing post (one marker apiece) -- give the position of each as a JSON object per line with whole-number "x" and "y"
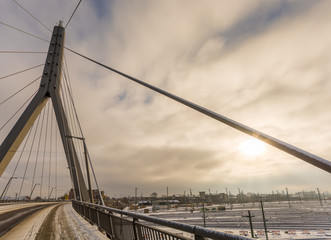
{"x": 136, "y": 230}
{"x": 197, "y": 236}
{"x": 111, "y": 223}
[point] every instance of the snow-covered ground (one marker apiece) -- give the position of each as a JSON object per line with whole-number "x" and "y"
{"x": 306, "y": 220}
{"x": 65, "y": 223}
{"x": 5, "y": 207}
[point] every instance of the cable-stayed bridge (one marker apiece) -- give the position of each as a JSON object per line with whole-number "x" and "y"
{"x": 48, "y": 120}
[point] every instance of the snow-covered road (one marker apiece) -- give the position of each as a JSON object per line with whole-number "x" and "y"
{"x": 55, "y": 222}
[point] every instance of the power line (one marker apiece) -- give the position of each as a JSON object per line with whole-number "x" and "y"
{"x": 19, "y": 91}
{"x": 17, "y": 29}
{"x": 20, "y": 71}
{"x": 73, "y": 13}
{"x": 283, "y": 146}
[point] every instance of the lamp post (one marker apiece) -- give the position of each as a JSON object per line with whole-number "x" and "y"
{"x": 87, "y": 167}
{"x": 7, "y": 186}
{"x": 33, "y": 189}
{"x": 51, "y": 193}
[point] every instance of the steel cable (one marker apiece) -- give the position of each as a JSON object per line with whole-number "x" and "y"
{"x": 32, "y": 16}
{"x": 37, "y": 155}
{"x": 21, "y": 71}
{"x": 18, "y": 110}
{"x": 22, "y": 52}
{"x": 19, "y": 91}
{"x": 73, "y": 13}
{"x": 17, "y": 29}
{"x": 281, "y": 145}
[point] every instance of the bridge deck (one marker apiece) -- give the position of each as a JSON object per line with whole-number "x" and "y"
{"x": 58, "y": 221}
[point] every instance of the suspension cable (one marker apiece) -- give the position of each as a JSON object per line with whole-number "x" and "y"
{"x": 50, "y": 156}
{"x": 73, "y": 13}
{"x": 17, "y": 29}
{"x": 18, "y": 110}
{"x": 281, "y": 145}
{"x": 73, "y": 123}
{"x": 81, "y": 131}
{"x": 56, "y": 133}
{"x": 44, "y": 153}
{"x": 22, "y": 52}
{"x": 19, "y": 91}
{"x": 19, "y": 159}
{"x": 37, "y": 155}
{"x": 27, "y": 163}
{"x": 21, "y": 71}
{"x": 32, "y": 16}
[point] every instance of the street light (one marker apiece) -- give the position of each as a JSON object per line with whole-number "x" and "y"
{"x": 33, "y": 189}
{"x": 51, "y": 193}
{"x": 87, "y": 167}
{"x": 7, "y": 186}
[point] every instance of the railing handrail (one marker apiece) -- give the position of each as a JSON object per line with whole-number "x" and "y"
{"x": 172, "y": 224}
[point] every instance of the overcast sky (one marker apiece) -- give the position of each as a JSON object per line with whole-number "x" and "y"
{"x": 266, "y": 64}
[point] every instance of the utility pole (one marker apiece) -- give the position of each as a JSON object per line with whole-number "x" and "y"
{"x": 319, "y": 197}
{"x": 264, "y": 222}
{"x": 168, "y": 198}
{"x": 288, "y": 198}
{"x": 204, "y": 213}
{"x": 250, "y": 222}
{"x": 227, "y": 196}
{"x": 300, "y": 198}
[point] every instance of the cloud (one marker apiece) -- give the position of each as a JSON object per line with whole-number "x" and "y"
{"x": 264, "y": 64}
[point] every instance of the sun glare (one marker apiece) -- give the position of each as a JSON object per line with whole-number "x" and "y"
{"x": 252, "y": 147}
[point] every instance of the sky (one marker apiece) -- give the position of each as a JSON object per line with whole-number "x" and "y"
{"x": 265, "y": 64}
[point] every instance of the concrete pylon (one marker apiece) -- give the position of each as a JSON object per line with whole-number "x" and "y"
{"x": 50, "y": 86}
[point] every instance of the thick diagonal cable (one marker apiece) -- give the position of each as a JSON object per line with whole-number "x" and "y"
{"x": 10, "y": 75}
{"x": 32, "y": 16}
{"x": 73, "y": 13}
{"x": 20, "y": 30}
{"x": 281, "y": 145}
{"x": 19, "y": 91}
{"x": 18, "y": 110}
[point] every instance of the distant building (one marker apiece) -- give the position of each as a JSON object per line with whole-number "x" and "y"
{"x": 95, "y": 194}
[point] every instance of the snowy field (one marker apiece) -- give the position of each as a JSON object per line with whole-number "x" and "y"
{"x": 306, "y": 220}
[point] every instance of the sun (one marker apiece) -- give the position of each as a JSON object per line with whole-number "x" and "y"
{"x": 252, "y": 147}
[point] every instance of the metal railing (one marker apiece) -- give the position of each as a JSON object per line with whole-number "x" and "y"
{"x": 132, "y": 226}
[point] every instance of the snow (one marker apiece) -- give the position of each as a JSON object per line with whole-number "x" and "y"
{"x": 67, "y": 223}
{"x": 29, "y": 227}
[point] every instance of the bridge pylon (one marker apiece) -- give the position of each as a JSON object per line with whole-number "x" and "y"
{"x": 50, "y": 86}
